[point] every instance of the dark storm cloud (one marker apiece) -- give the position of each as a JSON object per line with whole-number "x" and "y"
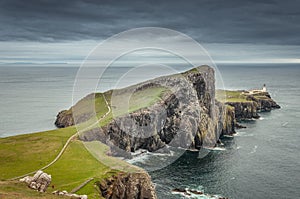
{"x": 211, "y": 21}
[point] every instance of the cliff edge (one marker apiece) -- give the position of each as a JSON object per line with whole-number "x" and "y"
{"x": 182, "y": 110}
{"x": 185, "y": 115}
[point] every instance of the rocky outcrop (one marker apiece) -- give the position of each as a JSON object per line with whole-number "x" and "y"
{"x": 244, "y": 110}
{"x": 227, "y": 118}
{"x": 254, "y": 104}
{"x": 64, "y": 119}
{"x": 40, "y": 181}
{"x": 187, "y": 117}
{"x": 124, "y": 185}
{"x": 263, "y": 101}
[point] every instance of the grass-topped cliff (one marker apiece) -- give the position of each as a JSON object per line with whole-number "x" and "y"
{"x": 26, "y": 153}
{"x": 178, "y": 110}
{"x": 246, "y": 104}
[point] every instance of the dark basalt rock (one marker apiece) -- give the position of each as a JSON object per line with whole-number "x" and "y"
{"x": 245, "y": 110}
{"x": 132, "y": 185}
{"x": 250, "y": 109}
{"x": 188, "y": 117}
{"x": 63, "y": 119}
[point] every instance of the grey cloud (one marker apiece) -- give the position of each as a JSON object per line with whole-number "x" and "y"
{"x": 209, "y": 21}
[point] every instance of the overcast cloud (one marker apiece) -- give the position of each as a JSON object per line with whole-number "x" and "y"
{"x": 268, "y": 24}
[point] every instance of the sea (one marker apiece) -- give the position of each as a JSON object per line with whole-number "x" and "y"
{"x": 261, "y": 161}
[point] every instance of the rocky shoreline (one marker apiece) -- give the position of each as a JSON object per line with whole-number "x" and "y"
{"x": 189, "y": 117}
{"x": 124, "y": 185}
{"x": 254, "y": 104}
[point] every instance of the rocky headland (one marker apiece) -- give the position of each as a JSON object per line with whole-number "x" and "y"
{"x": 182, "y": 110}
{"x": 189, "y": 113}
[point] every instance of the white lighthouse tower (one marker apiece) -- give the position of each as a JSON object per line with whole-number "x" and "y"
{"x": 264, "y": 89}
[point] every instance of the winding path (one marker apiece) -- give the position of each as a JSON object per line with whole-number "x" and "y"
{"x": 67, "y": 143}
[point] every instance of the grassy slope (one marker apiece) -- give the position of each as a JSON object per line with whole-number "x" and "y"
{"x": 25, "y": 153}
{"x": 230, "y": 96}
{"x": 237, "y": 96}
{"x": 75, "y": 167}
{"x": 13, "y": 190}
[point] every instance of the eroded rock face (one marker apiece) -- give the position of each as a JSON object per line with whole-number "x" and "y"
{"x": 63, "y": 119}
{"x": 264, "y": 102}
{"x": 226, "y": 119}
{"x": 245, "y": 110}
{"x": 132, "y": 185}
{"x": 255, "y": 104}
{"x": 186, "y": 117}
{"x": 40, "y": 181}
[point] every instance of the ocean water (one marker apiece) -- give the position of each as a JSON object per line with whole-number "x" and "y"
{"x": 261, "y": 161}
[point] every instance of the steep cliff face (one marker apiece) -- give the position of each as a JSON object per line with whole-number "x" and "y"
{"x": 187, "y": 117}
{"x": 264, "y": 102}
{"x": 244, "y": 110}
{"x": 64, "y": 119}
{"x": 227, "y": 118}
{"x": 255, "y": 103}
{"x": 124, "y": 185}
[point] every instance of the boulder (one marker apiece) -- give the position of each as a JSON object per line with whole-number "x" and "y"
{"x": 40, "y": 181}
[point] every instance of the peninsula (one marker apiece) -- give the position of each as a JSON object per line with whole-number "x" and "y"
{"x": 181, "y": 110}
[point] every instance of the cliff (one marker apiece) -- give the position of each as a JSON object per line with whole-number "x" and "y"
{"x": 182, "y": 110}
{"x": 186, "y": 116}
{"x": 247, "y": 105}
{"x": 124, "y": 185}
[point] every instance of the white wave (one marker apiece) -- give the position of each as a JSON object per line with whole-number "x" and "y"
{"x": 139, "y": 152}
{"x": 243, "y": 134}
{"x": 229, "y": 136}
{"x": 141, "y": 155}
{"x": 238, "y": 147}
{"x": 215, "y": 148}
{"x": 261, "y": 118}
{"x": 237, "y": 134}
{"x": 195, "y": 194}
{"x": 254, "y": 149}
{"x": 140, "y": 158}
{"x": 162, "y": 154}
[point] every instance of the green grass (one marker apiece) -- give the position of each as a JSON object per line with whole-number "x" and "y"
{"x": 14, "y": 189}
{"x": 126, "y": 103}
{"x": 230, "y": 96}
{"x": 26, "y": 153}
{"x": 121, "y": 104}
{"x": 81, "y": 161}
{"x": 98, "y": 151}
{"x": 75, "y": 167}
{"x": 237, "y": 96}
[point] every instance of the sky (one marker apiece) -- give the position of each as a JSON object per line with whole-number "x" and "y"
{"x": 57, "y": 32}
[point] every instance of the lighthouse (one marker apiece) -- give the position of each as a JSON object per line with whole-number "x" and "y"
{"x": 264, "y": 89}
